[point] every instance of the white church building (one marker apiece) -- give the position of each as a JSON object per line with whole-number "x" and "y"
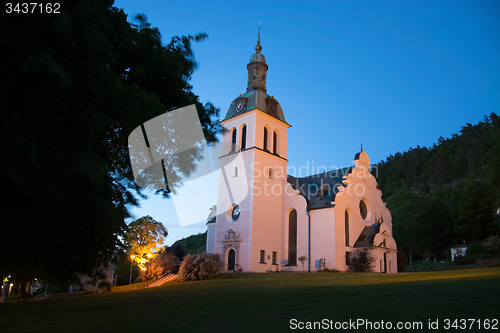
{"x": 266, "y": 220}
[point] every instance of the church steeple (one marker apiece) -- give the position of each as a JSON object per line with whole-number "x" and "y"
{"x": 257, "y": 68}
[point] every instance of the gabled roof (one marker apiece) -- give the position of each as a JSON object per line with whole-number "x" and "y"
{"x": 311, "y": 187}
{"x": 367, "y": 236}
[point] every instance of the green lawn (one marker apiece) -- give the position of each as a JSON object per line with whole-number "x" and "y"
{"x": 267, "y": 303}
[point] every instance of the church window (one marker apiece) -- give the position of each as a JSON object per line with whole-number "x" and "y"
{"x": 234, "y": 140}
{"x": 235, "y": 171}
{"x": 275, "y": 257}
{"x": 292, "y": 238}
{"x": 262, "y": 256}
{"x": 265, "y": 138}
{"x": 275, "y": 142}
{"x": 235, "y": 214}
{"x": 346, "y": 228}
{"x": 244, "y": 137}
{"x": 270, "y": 173}
{"x": 363, "y": 209}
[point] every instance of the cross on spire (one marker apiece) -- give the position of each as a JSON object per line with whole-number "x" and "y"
{"x": 258, "y": 48}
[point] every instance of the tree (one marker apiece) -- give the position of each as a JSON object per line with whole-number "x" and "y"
{"x": 492, "y": 244}
{"x": 143, "y": 238}
{"x": 192, "y": 244}
{"x": 419, "y": 222}
{"x": 73, "y": 87}
{"x": 472, "y": 208}
{"x": 303, "y": 259}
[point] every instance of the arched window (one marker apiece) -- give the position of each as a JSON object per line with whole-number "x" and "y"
{"x": 244, "y": 137}
{"x": 292, "y": 238}
{"x": 346, "y": 228}
{"x": 270, "y": 173}
{"x": 275, "y": 142}
{"x": 234, "y": 140}
{"x": 235, "y": 171}
{"x": 265, "y": 138}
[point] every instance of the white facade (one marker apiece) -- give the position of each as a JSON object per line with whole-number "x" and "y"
{"x": 267, "y": 220}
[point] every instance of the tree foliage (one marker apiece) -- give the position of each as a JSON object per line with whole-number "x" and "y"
{"x": 445, "y": 194}
{"x": 73, "y": 87}
{"x": 191, "y": 244}
{"x": 143, "y": 239}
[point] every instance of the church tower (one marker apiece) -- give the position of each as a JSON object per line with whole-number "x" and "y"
{"x": 248, "y": 227}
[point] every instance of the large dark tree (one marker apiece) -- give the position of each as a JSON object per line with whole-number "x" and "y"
{"x": 72, "y": 88}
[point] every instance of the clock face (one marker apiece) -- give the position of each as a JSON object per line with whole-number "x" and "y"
{"x": 239, "y": 107}
{"x": 235, "y": 215}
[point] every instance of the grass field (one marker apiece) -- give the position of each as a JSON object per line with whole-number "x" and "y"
{"x": 267, "y": 303}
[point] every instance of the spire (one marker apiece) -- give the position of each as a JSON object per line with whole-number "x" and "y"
{"x": 361, "y": 147}
{"x": 258, "y": 48}
{"x": 257, "y": 68}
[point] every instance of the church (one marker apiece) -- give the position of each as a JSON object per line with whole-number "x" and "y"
{"x": 267, "y": 220}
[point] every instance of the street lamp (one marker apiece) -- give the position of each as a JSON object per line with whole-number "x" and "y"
{"x": 131, "y": 263}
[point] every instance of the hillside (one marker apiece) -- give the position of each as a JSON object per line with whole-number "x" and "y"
{"x": 446, "y": 194}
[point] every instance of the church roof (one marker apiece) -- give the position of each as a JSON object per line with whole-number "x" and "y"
{"x": 320, "y": 189}
{"x": 367, "y": 236}
{"x": 257, "y": 99}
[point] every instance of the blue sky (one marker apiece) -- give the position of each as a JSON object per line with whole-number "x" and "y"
{"x": 390, "y": 75}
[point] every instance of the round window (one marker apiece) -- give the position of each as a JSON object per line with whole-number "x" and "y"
{"x": 235, "y": 214}
{"x": 363, "y": 210}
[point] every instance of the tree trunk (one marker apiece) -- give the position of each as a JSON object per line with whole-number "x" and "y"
{"x": 24, "y": 283}
{"x": 15, "y": 285}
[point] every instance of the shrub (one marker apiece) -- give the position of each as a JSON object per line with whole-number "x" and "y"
{"x": 104, "y": 286}
{"x": 471, "y": 259}
{"x": 328, "y": 270}
{"x": 492, "y": 244}
{"x": 199, "y": 267}
{"x": 476, "y": 248}
{"x": 163, "y": 264}
{"x": 361, "y": 261}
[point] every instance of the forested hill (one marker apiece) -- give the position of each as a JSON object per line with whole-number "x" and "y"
{"x": 443, "y": 195}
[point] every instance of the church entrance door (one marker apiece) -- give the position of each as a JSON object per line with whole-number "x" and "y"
{"x": 231, "y": 260}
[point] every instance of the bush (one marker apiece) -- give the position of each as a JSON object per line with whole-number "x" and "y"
{"x": 471, "y": 259}
{"x": 492, "y": 244}
{"x": 476, "y": 248}
{"x": 402, "y": 261}
{"x": 199, "y": 267}
{"x": 104, "y": 286}
{"x": 361, "y": 261}
{"x": 14, "y": 297}
{"x": 163, "y": 264}
{"x": 328, "y": 270}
